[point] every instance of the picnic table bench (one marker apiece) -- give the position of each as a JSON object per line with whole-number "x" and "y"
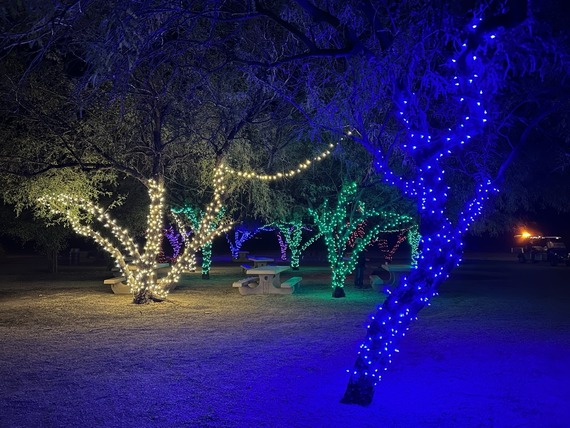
{"x": 293, "y": 282}
{"x": 245, "y": 281}
{"x": 381, "y": 278}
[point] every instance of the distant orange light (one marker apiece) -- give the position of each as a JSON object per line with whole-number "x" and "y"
{"x": 525, "y": 234}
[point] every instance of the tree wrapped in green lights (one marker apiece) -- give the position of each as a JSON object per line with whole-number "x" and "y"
{"x": 204, "y": 225}
{"x": 292, "y": 233}
{"x": 189, "y": 221}
{"x": 414, "y": 237}
{"x": 338, "y": 223}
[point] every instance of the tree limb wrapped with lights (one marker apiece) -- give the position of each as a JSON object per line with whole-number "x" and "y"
{"x": 194, "y": 218}
{"x": 92, "y": 221}
{"x": 440, "y": 239}
{"x": 414, "y": 237}
{"x": 199, "y": 228}
{"x": 240, "y": 236}
{"x": 292, "y": 237}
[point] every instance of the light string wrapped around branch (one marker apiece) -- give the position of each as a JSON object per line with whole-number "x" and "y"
{"x": 440, "y": 245}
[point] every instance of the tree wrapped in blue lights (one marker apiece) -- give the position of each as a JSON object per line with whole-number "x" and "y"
{"x": 241, "y": 234}
{"x": 427, "y": 144}
{"x": 337, "y": 224}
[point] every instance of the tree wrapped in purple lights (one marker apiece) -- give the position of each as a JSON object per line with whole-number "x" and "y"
{"x": 176, "y": 240}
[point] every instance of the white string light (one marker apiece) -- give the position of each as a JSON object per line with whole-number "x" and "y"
{"x": 278, "y": 176}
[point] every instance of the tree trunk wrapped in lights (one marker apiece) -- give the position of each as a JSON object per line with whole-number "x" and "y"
{"x": 441, "y": 239}
{"x": 195, "y": 217}
{"x": 338, "y": 224}
{"x": 205, "y": 225}
{"x": 292, "y": 236}
{"x": 441, "y": 250}
{"x": 413, "y": 237}
{"x": 92, "y": 221}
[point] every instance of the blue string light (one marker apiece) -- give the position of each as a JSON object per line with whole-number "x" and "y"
{"x": 440, "y": 246}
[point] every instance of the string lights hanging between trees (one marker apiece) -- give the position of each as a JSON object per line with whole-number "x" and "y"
{"x": 279, "y": 175}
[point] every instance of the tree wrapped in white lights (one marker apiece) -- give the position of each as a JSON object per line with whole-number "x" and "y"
{"x": 337, "y": 224}
{"x": 90, "y": 220}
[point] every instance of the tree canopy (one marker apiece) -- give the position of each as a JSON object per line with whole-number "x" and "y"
{"x": 442, "y": 99}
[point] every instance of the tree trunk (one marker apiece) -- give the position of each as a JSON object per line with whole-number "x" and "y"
{"x": 338, "y": 292}
{"x": 144, "y": 297}
{"x": 359, "y": 392}
{"x": 52, "y": 257}
{"x": 393, "y": 318}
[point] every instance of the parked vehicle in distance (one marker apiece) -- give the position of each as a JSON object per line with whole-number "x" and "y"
{"x": 535, "y": 249}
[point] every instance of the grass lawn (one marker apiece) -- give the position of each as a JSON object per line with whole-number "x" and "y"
{"x": 493, "y": 350}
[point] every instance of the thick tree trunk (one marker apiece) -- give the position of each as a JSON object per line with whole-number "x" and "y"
{"x": 144, "y": 297}
{"x": 394, "y": 316}
{"x": 53, "y": 261}
{"x": 359, "y": 392}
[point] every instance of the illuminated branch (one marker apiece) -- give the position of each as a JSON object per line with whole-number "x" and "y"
{"x": 140, "y": 274}
{"x": 280, "y": 175}
{"x": 440, "y": 244}
{"x": 205, "y": 226}
{"x": 414, "y": 238}
{"x": 292, "y": 235}
{"x": 241, "y": 235}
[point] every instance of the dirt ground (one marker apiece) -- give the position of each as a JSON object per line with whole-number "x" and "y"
{"x": 493, "y": 350}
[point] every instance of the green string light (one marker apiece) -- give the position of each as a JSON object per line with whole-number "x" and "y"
{"x": 292, "y": 232}
{"x": 337, "y": 227}
{"x": 196, "y": 219}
